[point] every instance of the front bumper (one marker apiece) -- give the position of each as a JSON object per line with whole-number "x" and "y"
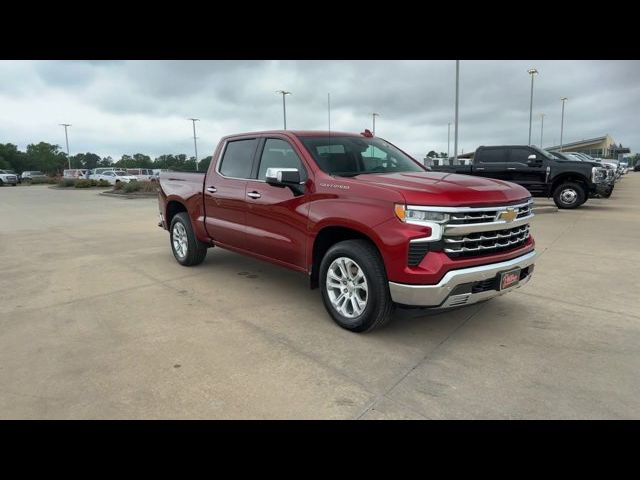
{"x": 457, "y": 287}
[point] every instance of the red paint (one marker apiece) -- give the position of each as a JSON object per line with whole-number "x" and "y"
{"x": 281, "y": 228}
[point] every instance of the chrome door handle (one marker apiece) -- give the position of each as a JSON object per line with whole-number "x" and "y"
{"x": 511, "y": 168}
{"x": 479, "y": 168}
{"x": 253, "y": 195}
{"x": 212, "y": 189}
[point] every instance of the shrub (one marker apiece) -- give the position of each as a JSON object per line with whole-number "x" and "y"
{"x": 148, "y": 186}
{"x": 83, "y": 183}
{"x": 118, "y": 186}
{"x": 131, "y": 187}
{"x": 103, "y": 183}
{"x": 67, "y": 182}
{"x": 36, "y": 181}
{"x": 94, "y": 183}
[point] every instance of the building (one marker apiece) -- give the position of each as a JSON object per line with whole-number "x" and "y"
{"x": 599, "y": 147}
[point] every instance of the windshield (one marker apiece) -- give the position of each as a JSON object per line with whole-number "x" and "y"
{"x": 37, "y": 173}
{"x": 121, "y": 174}
{"x": 350, "y": 156}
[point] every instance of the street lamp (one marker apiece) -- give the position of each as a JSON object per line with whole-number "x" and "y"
{"x": 541, "y": 128}
{"x": 455, "y": 135}
{"x": 284, "y": 107}
{"x": 533, "y": 72}
{"x": 195, "y": 145}
{"x": 563, "y": 99}
{"x": 448, "y": 140}
{"x": 66, "y": 137}
{"x": 374, "y": 115}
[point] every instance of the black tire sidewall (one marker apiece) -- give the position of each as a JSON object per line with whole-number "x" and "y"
{"x": 378, "y": 289}
{"x": 582, "y": 198}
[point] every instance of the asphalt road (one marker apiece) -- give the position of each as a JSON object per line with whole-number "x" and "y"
{"x": 97, "y": 320}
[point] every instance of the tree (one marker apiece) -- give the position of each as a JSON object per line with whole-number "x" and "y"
{"x": 203, "y": 166}
{"x": 11, "y": 158}
{"x": 444, "y": 155}
{"x": 105, "y": 162}
{"x": 142, "y": 161}
{"x": 46, "y": 157}
{"x": 432, "y": 154}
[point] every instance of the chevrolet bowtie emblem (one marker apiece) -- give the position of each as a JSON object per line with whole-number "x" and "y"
{"x": 508, "y": 215}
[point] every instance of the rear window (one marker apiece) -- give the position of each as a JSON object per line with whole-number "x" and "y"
{"x": 238, "y": 158}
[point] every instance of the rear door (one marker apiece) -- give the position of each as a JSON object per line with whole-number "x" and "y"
{"x": 225, "y": 192}
{"x": 531, "y": 174}
{"x": 276, "y": 218}
{"x": 491, "y": 162}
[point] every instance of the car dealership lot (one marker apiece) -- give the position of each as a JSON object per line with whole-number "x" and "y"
{"x": 97, "y": 320}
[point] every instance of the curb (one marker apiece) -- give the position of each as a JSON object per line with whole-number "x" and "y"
{"x": 545, "y": 209}
{"x": 129, "y": 197}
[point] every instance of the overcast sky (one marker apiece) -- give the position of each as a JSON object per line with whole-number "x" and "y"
{"x": 127, "y": 107}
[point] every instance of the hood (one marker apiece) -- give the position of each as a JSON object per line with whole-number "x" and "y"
{"x": 448, "y": 189}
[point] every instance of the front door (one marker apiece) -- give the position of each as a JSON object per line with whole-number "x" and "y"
{"x": 276, "y": 218}
{"x": 491, "y": 163}
{"x": 530, "y": 173}
{"x": 224, "y": 192}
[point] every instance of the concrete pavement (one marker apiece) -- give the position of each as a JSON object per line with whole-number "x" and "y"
{"x": 97, "y": 320}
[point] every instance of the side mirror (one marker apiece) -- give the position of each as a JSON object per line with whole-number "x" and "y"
{"x": 285, "y": 177}
{"x": 532, "y": 157}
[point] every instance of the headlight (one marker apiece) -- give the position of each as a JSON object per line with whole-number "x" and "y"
{"x": 434, "y": 221}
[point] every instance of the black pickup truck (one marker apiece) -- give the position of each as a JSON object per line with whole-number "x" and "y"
{"x": 569, "y": 183}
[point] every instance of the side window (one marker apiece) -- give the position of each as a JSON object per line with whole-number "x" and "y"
{"x": 520, "y": 155}
{"x": 238, "y": 158}
{"x": 279, "y": 154}
{"x": 492, "y": 155}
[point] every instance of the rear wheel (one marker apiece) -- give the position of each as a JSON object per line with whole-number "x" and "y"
{"x": 354, "y": 286}
{"x": 186, "y": 248}
{"x": 569, "y": 195}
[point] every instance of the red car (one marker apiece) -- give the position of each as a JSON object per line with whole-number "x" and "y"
{"x": 368, "y": 224}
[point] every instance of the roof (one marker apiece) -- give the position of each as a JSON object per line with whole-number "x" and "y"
{"x": 581, "y": 142}
{"x": 300, "y": 133}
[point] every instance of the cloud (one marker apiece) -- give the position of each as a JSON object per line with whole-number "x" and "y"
{"x": 125, "y": 107}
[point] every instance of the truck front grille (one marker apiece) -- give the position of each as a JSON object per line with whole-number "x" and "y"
{"x": 486, "y": 242}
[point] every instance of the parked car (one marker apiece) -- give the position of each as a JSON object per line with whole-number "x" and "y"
{"x": 8, "y": 178}
{"x": 78, "y": 173}
{"x": 115, "y": 176}
{"x": 610, "y": 172}
{"x": 33, "y": 175}
{"x": 367, "y": 223}
{"x": 142, "y": 174}
{"x": 13, "y": 172}
{"x": 569, "y": 183}
{"x": 636, "y": 167}
{"x": 94, "y": 173}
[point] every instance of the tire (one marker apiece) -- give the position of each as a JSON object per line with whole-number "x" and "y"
{"x": 569, "y": 195}
{"x": 185, "y": 238}
{"x": 1, "y": 183}
{"x": 374, "y": 289}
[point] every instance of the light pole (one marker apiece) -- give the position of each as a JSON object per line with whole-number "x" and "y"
{"x": 66, "y": 137}
{"x": 448, "y": 140}
{"x": 284, "y": 106}
{"x": 374, "y": 115}
{"x": 541, "y": 128}
{"x": 533, "y": 72}
{"x": 329, "y": 110}
{"x": 455, "y": 135}
{"x": 563, "y": 99}
{"x": 195, "y": 145}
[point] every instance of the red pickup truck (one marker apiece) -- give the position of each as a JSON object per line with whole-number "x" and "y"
{"x": 367, "y": 223}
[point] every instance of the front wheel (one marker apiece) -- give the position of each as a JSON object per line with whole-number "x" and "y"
{"x": 569, "y": 195}
{"x": 187, "y": 249}
{"x": 354, "y": 286}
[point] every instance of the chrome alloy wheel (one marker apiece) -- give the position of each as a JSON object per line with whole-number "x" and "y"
{"x": 347, "y": 287}
{"x": 568, "y": 196}
{"x": 179, "y": 236}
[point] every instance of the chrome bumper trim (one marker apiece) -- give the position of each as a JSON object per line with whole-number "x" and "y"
{"x": 439, "y": 295}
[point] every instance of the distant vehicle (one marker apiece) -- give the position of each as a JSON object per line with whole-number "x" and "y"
{"x": 93, "y": 174}
{"x": 610, "y": 172}
{"x": 570, "y": 183}
{"x": 115, "y": 176}
{"x": 76, "y": 173}
{"x": 143, "y": 174}
{"x": 8, "y": 178}
{"x": 636, "y": 168}
{"x": 30, "y": 175}
{"x": 13, "y": 172}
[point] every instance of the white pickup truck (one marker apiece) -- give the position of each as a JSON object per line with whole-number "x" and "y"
{"x": 8, "y": 178}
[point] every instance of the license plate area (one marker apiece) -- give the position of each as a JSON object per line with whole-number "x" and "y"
{"x": 509, "y": 278}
